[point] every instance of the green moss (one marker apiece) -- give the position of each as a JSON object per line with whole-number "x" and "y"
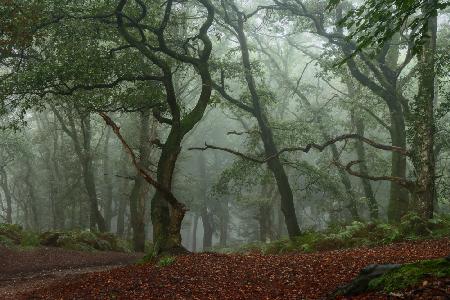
{"x": 411, "y": 274}
{"x": 29, "y": 240}
{"x": 166, "y": 261}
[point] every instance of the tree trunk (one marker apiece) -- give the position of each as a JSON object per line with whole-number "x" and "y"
{"x": 424, "y": 124}
{"x": 206, "y": 213}
{"x": 166, "y": 219}
{"x": 32, "y": 195}
{"x": 83, "y": 151}
{"x": 108, "y": 187}
{"x": 352, "y": 205}
{"x": 265, "y": 221}
{"x": 140, "y": 189}
{"x": 399, "y": 196}
{"x": 7, "y": 192}
{"x": 274, "y": 164}
{"x": 360, "y": 151}
{"x": 224, "y": 220}
{"x": 96, "y": 219}
{"x": 194, "y": 232}
{"x": 122, "y": 205}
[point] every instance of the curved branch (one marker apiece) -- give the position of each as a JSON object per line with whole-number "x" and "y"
{"x": 167, "y": 194}
{"x": 308, "y": 148}
{"x": 410, "y": 185}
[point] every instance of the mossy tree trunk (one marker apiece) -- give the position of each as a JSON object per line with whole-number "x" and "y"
{"x": 424, "y": 121}
{"x": 166, "y": 211}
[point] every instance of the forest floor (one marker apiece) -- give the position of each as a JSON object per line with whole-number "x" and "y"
{"x": 23, "y": 271}
{"x": 247, "y": 276}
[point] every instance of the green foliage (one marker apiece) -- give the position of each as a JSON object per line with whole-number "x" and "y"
{"x": 12, "y": 235}
{"x": 410, "y": 274}
{"x": 374, "y": 22}
{"x": 152, "y": 254}
{"x": 84, "y": 241}
{"x": 5, "y": 241}
{"x": 356, "y": 234}
{"x": 29, "y": 239}
{"x": 166, "y": 261}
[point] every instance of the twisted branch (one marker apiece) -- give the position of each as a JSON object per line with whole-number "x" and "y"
{"x": 308, "y": 148}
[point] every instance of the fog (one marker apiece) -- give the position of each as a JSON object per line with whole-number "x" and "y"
{"x": 246, "y": 121}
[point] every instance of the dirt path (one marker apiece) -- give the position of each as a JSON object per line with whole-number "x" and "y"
{"x": 27, "y": 270}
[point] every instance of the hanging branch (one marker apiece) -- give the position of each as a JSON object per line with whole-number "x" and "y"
{"x": 308, "y": 147}
{"x": 173, "y": 201}
{"x": 410, "y": 185}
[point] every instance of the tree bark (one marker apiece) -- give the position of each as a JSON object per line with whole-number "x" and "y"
{"x": 140, "y": 188}
{"x": 5, "y": 186}
{"x": 96, "y": 219}
{"x": 224, "y": 220}
{"x": 165, "y": 218}
{"x": 122, "y": 205}
{"x": 194, "y": 232}
{"x": 206, "y": 213}
{"x": 424, "y": 122}
{"x": 399, "y": 196}
{"x": 270, "y": 148}
{"x": 32, "y": 195}
{"x": 361, "y": 153}
{"x": 107, "y": 178}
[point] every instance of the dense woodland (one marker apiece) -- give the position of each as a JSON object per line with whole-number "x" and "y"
{"x": 214, "y": 123}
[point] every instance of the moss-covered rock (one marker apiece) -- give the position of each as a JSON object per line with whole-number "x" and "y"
{"x": 84, "y": 241}
{"x": 411, "y": 274}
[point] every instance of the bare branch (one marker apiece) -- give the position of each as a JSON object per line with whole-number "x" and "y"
{"x": 167, "y": 194}
{"x": 308, "y": 147}
{"x": 410, "y": 185}
{"x": 237, "y": 153}
{"x": 234, "y": 132}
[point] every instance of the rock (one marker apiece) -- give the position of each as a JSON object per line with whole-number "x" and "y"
{"x": 50, "y": 238}
{"x": 361, "y": 283}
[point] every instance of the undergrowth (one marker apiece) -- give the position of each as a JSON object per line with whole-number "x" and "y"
{"x": 12, "y": 235}
{"x": 356, "y": 234}
{"x": 166, "y": 261}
